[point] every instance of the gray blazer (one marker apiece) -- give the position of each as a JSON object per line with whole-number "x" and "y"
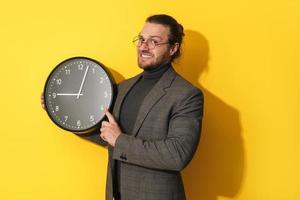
{"x": 164, "y": 139}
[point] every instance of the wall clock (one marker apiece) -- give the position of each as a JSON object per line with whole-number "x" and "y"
{"x": 76, "y": 94}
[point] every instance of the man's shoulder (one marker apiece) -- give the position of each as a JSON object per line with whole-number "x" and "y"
{"x": 183, "y": 92}
{"x": 182, "y": 84}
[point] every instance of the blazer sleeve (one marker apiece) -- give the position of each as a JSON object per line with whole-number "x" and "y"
{"x": 177, "y": 149}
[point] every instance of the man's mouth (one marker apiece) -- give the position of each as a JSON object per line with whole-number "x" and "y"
{"x": 145, "y": 55}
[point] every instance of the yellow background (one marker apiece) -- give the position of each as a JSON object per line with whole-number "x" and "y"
{"x": 243, "y": 54}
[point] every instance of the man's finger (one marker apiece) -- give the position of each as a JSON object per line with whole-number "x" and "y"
{"x": 102, "y": 129}
{"x": 111, "y": 118}
{"x": 103, "y": 137}
{"x": 104, "y": 123}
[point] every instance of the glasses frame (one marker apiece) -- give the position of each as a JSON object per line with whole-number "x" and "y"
{"x": 138, "y": 43}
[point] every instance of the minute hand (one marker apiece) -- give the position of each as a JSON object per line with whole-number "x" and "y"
{"x": 78, "y": 94}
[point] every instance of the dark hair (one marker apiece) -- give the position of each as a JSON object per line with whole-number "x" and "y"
{"x": 176, "y": 30}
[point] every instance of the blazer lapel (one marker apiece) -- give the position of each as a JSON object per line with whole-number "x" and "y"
{"x": 156, "y": 93}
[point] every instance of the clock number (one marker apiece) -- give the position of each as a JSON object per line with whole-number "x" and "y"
{"x": 101, "y": 80}
{"x": 92, "y": 118}
{"x": 56, "y": 108}
{"x": 80, "y": 66}
{"x": 68, "y": 71}
{"x": 58, "y": 81}
{"x": 53, "y": 95}
{"x": 105, "y": 94}
{"x": 93, "y": 70}
{"x": 78, "y": 123}
{"x": 66, "y": 117}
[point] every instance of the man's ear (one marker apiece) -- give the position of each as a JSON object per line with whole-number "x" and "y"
{"x": 174, "y": 48}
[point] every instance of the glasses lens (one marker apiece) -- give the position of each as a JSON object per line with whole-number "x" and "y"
{"x": 139, "y": 41}
{"x": 151, "y": 44}
{"x": 136, "y": 41}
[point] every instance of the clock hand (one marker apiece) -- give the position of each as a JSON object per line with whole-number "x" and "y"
{"x": 87, "y": 68}
{"x": 68, "y": 94}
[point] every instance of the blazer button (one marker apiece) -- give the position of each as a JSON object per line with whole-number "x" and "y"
{"x": 123, "y": 157}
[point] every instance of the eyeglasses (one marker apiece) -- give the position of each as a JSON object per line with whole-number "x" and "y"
{"x": 151, "y": 43}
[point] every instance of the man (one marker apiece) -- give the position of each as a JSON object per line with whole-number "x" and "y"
{"x": 155, "y": 127}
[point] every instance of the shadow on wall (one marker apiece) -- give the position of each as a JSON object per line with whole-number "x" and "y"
{"x": 218, "y": 165}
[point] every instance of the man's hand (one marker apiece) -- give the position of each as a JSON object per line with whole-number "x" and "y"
{"x": 110, "y": 129}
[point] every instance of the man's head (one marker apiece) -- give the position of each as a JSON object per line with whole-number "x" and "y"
{"x": 159, "y": 41}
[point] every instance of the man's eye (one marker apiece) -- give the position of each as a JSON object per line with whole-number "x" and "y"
{"x": 141, "y": 39}
{"x": 154, "y": 42}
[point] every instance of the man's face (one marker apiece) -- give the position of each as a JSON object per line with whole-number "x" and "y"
{"x": 151, "y": 58}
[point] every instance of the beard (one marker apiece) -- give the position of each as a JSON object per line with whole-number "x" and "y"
{"x": 149, "y": 61}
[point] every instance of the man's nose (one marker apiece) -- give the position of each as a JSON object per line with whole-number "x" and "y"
{"x": 144, "y": 46}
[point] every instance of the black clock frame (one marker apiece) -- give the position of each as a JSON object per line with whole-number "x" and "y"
{"x": 113, "y": 93}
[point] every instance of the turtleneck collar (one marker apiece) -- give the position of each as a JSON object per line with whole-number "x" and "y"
{"x": 157, "y": 72}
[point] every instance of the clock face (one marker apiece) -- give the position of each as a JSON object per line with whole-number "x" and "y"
{"x": 76, "y": 94}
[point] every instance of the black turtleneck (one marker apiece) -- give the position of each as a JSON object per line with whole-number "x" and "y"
{"x": 136, "y": 95}
{"x": 130, "y": 108}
